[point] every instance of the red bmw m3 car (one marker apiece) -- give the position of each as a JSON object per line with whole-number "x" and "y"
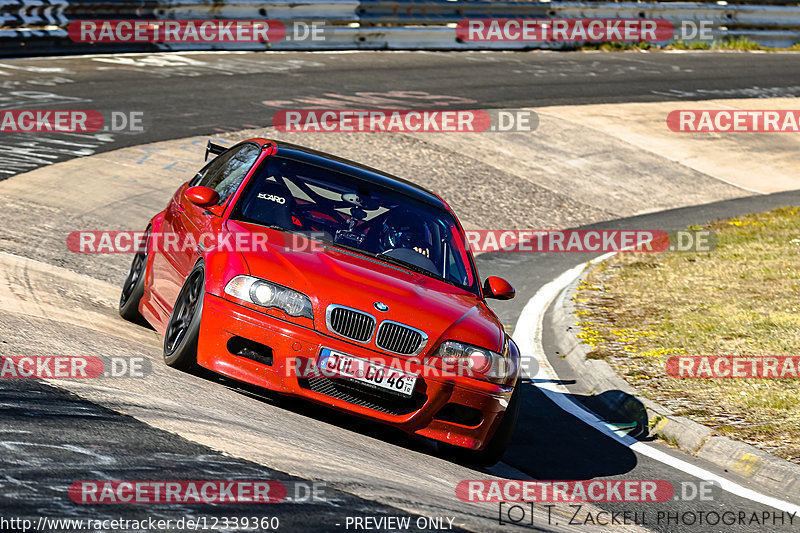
{"x": 317, "y": 277}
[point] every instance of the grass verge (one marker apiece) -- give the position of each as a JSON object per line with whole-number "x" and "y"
{"x": 742, "y": 44}
{"x": 637, "y": 310}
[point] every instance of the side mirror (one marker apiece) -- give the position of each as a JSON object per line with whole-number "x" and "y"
{"x": 202, "y": 196}
{"x": 498, "y": 288}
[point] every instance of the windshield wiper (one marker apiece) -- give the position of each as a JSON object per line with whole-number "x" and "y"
{"x": 418, "y": 269}
{"x": 382, "y": 257}
{"x": 401, "y": 263}
{"x": 275, "y": 227}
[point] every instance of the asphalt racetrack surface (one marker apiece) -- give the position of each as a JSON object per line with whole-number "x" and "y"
{"x": 188, "y": 94}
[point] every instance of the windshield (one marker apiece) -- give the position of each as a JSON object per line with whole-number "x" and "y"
{"x": 356, "y": 214}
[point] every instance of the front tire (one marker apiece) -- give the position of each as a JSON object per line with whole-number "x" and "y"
{"x": 183, "y": 328}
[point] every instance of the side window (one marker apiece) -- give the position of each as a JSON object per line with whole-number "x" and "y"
{"x": 210, "y": 170}
{"x": 226, "y": 173}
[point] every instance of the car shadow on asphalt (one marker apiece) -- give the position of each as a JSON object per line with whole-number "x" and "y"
{"x": 551, "y": 444}
{"x": 324, "y": 414}
{"x": 548, "y": 443}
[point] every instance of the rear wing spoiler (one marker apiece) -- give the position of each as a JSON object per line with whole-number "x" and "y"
{"x": 215, "y": 149}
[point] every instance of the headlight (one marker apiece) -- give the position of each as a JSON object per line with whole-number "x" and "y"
{"x": 474, "y": 361}
{"x": 267, "y": 294}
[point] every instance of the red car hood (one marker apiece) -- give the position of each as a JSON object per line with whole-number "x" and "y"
{"x": 329, "y": 275}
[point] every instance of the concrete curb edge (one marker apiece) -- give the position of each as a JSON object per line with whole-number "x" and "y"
{"x": 758, "y": 466}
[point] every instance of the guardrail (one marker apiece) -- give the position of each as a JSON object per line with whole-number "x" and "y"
{"x": 31, "y": 27}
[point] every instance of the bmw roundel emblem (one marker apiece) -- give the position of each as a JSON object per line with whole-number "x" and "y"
{"x": 380, "y": 306}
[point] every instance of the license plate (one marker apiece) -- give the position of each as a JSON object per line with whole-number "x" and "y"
{"x": 338, "y": 365}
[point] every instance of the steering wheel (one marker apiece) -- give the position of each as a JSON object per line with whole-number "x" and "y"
{"x": 413, "y": 257}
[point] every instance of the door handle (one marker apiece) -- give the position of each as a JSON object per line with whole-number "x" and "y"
{"x": 180, "y": 208}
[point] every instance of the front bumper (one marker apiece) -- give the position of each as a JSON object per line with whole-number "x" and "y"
{"x": 435, "y": 409}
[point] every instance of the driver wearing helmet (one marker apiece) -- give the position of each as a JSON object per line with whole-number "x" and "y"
{"x": 404, "y": 230}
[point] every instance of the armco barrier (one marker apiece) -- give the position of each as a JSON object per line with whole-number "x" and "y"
{"x": 29, "y": 13}
{"x": 443, "y": 12}
{"x": 55, "y": 42}
{"x": 34, "y": 27}
{"x": 332, "y": 11}
{"x": 730, "y": 16}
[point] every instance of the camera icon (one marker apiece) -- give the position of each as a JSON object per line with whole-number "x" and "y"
{"x": 520, "y": 514}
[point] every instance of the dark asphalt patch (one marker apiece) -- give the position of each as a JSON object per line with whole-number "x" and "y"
{"x": 50, "y": 438}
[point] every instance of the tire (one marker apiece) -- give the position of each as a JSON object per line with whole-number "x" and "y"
{"x": 183, "y": 328}
{"x": 494, "y": 451}
{"x": 133, "y": 290}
